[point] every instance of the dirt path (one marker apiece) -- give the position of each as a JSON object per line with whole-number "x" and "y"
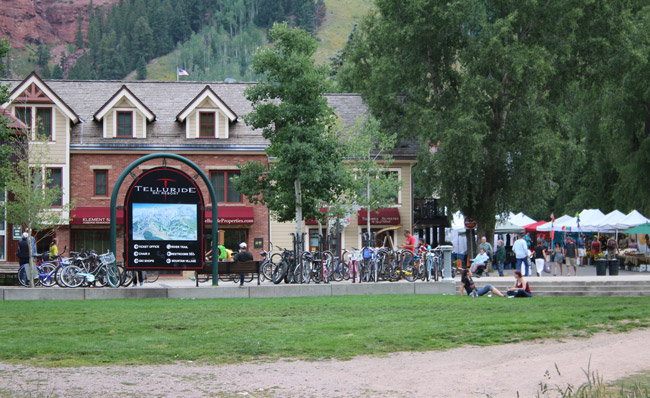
{"x": 497, "y": 371}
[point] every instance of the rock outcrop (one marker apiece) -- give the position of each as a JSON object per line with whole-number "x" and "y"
{"x": 43, "y": 21}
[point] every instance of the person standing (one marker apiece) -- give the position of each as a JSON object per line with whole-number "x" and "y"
{"x": 520, "y": 248}
{"x": 23, "y": 249}
{"x": 487, "y": 246}
{"x": 54, "y": 249}
{"x": 595, "y": 247}
{"x": 611, "y": 248}
{"x": 582, "y": 251}
{"x": 410, "y": 242}
{"x": 500, "y": 256}
{"x": 558, "y": 257}
{"x": 241, "y": 256}
{"x": 540, "y": 258}
{"x": 571, "y": 254}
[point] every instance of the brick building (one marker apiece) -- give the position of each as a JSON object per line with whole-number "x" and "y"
{"x": 98, "y": 128}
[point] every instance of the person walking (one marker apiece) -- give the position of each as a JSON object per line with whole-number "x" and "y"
{"x": 500, "y": 256}
{"x": 558, "y": 258}
{"x": 540, "y": 258}
{"x": 571, "y": 255}
{"x": 520, "y": 248}
{"x": 241, "y": 256}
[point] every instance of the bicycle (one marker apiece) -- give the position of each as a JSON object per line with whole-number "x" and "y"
{"x": 85, "y": 270}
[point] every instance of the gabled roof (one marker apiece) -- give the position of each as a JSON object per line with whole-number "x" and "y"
{"x": 33, "y": 79}
{"x": 207, "y": 93}
{"x": 122, "y": 93}
{"x": 14, "y": 122}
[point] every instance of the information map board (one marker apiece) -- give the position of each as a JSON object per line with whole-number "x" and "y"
{"x": 163, "y": 216}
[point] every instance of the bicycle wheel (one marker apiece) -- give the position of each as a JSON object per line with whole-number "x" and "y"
{"x": 126, "y": 277}
{"x": 410, "y": 273}
{"x": 327, "y": 262}
{"x": 338, "y": 272}
{"x": 267, "y": 270}
{"x": 152, "y": 276}
{"x": 365, "y": 268}
{"x": 70, "y": 276}
{"x": 278, "y": 272}
{"x": 101, "y": 279}
{"x": 48, "y": 274}
{"x": 23, "y": 279}
{"x": 113, "y": 276}
{"x": 304, "y": 268}
{"x": 437, "y": 271}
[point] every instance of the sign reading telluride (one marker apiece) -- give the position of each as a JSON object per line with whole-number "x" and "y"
{"x": 163, "y": 215}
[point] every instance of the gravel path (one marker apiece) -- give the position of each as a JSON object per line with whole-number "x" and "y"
{"x": 496, "y": 371}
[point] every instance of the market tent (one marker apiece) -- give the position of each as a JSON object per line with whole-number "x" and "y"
{"x": 533, "y": 227}
{"x": 520, "y": 219}
{"x": 506, "y": 227}
{"x": 631, "y": 220}
{"x": 588, "y": 217}
{"x": 555, "y": 226}
{"x": 639, "y": 229}
{"x": 608, "y": 222}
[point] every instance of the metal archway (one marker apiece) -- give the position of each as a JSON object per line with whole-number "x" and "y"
{"x": 206, "y": 180}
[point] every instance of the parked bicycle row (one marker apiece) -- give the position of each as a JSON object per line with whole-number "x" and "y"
{"x": 80, "y": 269}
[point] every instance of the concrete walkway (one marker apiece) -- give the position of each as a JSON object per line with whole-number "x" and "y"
{"x": 174, "y": 287}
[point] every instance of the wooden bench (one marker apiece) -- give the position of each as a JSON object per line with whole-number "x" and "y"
{"x": 228, "y": 267}
{"x": 9, "y": 270}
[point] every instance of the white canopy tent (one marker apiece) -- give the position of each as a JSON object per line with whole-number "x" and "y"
{"x": 520, "y": 219}
{"x": 630, "y": 221}
{"x": 606, "y": 223}
{"x": 507, "y": 227}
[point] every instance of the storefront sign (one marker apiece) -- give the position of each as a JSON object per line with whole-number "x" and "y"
{"x": 163, "y": 214}
{"x": 17, "y": 232}
{"x": 384, "y": 216}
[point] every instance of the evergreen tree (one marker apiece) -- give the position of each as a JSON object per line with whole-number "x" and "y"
{"x": 141, "y": 69}
{"x": 79, "y": 36}
{"x": 57, "y": 73}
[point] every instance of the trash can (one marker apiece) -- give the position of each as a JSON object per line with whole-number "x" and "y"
{"x": 601, "y": 267}
{"x": 613, "y": 266}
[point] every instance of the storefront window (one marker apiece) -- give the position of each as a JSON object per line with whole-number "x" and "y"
{"x": 98, "y": 240}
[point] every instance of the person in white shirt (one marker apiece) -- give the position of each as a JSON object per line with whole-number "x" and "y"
{"x": 480, "y": 261}
{"x": 520, "y": 248}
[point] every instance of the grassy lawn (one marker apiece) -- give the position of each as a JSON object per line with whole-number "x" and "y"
{"x": 153, "y": 331}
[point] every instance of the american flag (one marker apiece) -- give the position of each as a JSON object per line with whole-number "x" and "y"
{"x": 182, "y": 72}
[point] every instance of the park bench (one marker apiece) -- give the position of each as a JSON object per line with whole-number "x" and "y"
{"x": 227, "y": 268}
{"x": 9, "y": 270}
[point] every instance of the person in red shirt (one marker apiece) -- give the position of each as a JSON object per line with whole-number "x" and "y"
{"x": 410, "y": 242}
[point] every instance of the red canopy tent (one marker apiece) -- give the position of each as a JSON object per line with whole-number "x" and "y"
{"x": 533, "y": 227}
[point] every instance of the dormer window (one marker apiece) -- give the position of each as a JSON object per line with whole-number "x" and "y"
{"x": 207, "y": 125}
{"x": 41, "y": 124}
{"x": 124, "y": 124}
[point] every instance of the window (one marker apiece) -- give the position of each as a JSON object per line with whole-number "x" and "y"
{"x": 222, "y": 184}
{"x": 24, "y": 115}
{"x": 124, "y": 124}
{"x": 44, "y": 122}
{"x": 55, "y": 180}
{"x": 206, "y": 124}
{"x": 98, "y": 240}
{"x": 101, "y": 183}
{"x": 396, "y": 174}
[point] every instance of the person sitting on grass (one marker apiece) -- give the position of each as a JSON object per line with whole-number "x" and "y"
{"x": 467, "y": 285}
{"x": 521, "y": 287}
{"x": 480, "y": 260}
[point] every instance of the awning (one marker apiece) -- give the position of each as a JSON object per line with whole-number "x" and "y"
{"x": 315, "y": 222}
{"x": 94, "y": 216}
{"x": 384, "y": 216}
{"x": 231, "y": 215}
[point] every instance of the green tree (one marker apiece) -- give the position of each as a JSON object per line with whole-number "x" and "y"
{"x": 368, "y": 159}
{"x": 30, "y": 188}
{"x": 141, "y": 69}
{"x": 79, "y": 35}
{"x": 293, "y": 114}
{"x": 142, "y": 43}
{"x": 476, "y": 82}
